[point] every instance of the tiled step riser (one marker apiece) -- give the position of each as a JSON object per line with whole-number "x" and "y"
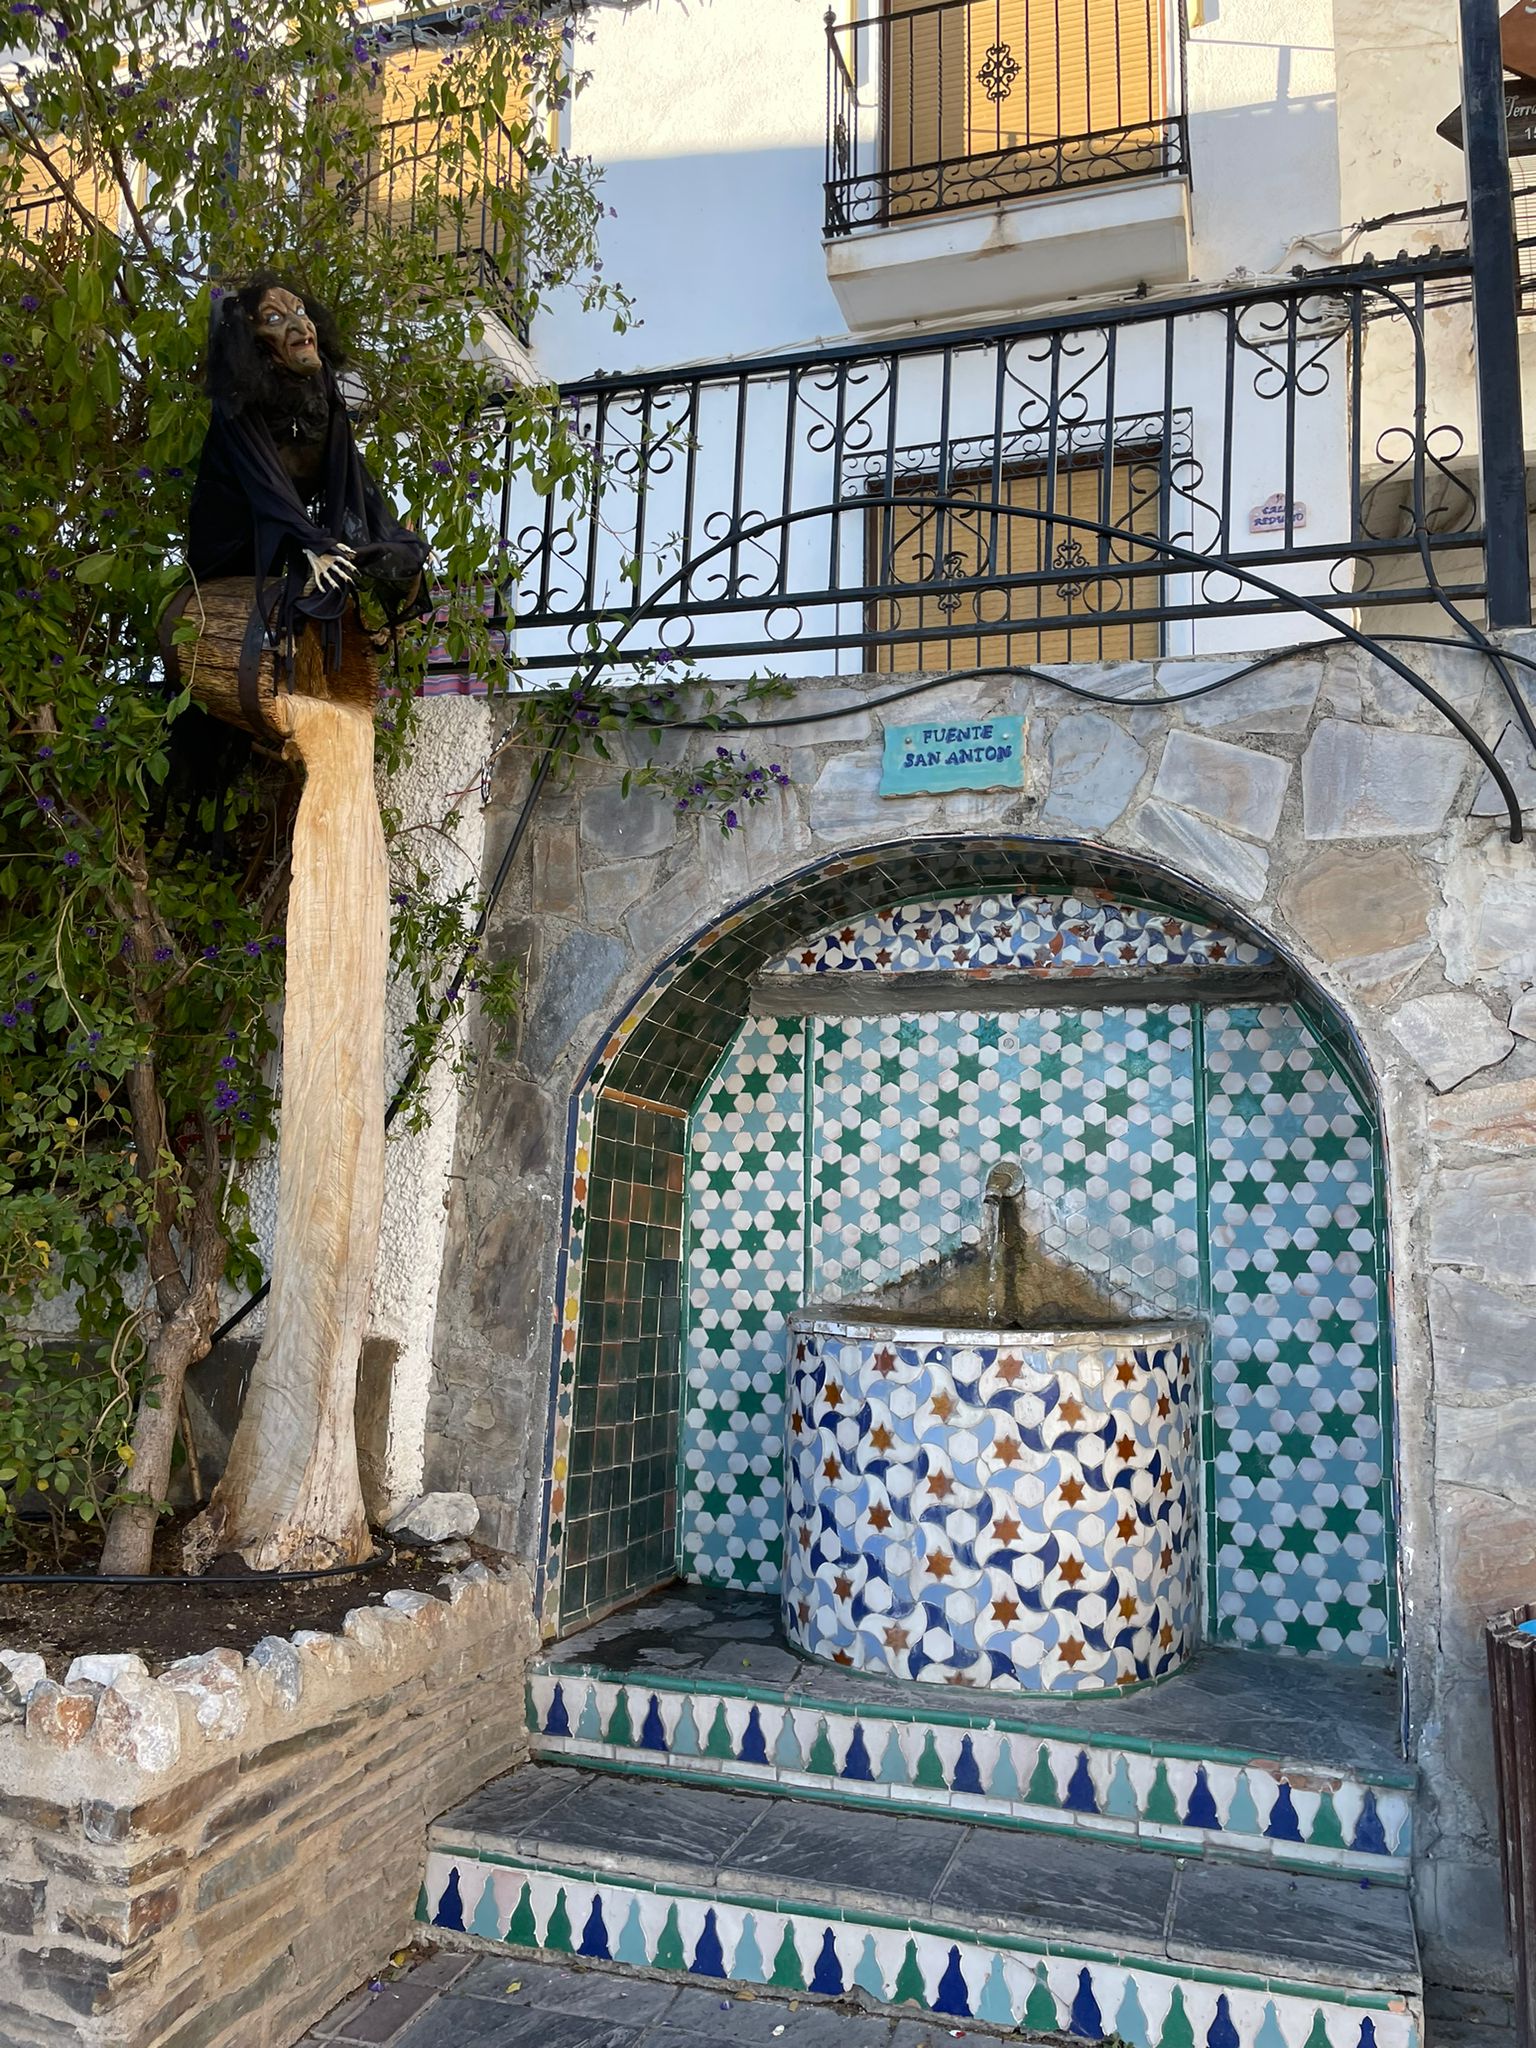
{"x": 1158, "y": 1799}
{"x": 948, "y": 1973}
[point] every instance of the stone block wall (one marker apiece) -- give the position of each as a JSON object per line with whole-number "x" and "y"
{"x": 213, "y": 1856}
{"x": 1323, "y": 800}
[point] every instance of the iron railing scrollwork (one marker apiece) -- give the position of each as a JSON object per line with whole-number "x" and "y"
{"x": 956, "y": 103}
{"x": 1075, "y": 487}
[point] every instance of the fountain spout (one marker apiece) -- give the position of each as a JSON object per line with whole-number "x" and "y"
{"x": 1008, "y": 1253}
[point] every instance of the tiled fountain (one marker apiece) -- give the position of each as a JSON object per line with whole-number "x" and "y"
{"x": 993, "y": 1475}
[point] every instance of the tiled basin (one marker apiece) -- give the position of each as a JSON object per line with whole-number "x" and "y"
{"x": 1010, "y": 1509}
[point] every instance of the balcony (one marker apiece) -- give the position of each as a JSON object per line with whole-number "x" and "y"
{"x": 985, "y": 156}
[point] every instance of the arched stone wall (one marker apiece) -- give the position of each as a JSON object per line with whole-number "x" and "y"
{"x": 1329, "y": 806}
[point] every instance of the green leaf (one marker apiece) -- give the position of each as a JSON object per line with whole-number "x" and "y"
{"x": 95, "y": 568}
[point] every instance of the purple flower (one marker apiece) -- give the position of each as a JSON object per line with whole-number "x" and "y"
{"x": 71, "y": 859}
{"x": 229, "y": 1063}
{"x": 9, "y": 360}
{"x": 210, "y": 952}
{"x": 45, "y": 803}
{"x": 145, "y": 474}
{"x": 99, "y": 722}
{"x": 731, "y": 821}
{"x": 162, "y": 952}
{"x": 45, "y": 753}
{"x": 26, "y": 1009}
{"x": 225, "y": 1097}
{"x": 30, "y": 302}
{"x": 9, "y": 1018}
{"x": 94, "y": 1039}
{"x": 440, "y": 467}
{"x": 253, "y": 947}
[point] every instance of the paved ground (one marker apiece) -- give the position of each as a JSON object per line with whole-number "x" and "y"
{"x": 458, "y": 2001}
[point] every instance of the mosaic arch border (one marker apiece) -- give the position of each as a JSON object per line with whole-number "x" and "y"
{"x": 643, "y": 1057}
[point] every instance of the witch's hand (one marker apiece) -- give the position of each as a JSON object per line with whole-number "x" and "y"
{"x": 330, "y": 572}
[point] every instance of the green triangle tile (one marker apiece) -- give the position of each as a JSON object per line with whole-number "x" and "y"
{"x": 632, "y": 1950}
{"x": 1131, "y": 2021}
{"x": 1177, "y": 2032}
{"x": 718, "y": 1742}
{"x": 1005, "y": 1779}
{"x": 1269, "y": 2034}
{"x": 1161, "y": 1804}
{"x": 423, "y": 1910}
{"x": 821, "y": 1760}
{"x": 893, "y": 1762}
{"x": 522, "y": 1928}
{"x": 557, "y": 1935}
{"x": 1318, "y": 2038}
{"x": 995, "y": 2005}
{"x": 620, "y": 1733}
{"x": 1042, "y": 1784}
{"x": 786, "y": 1749}
{"x": 1120, "y": 1799}
{"x": 1326, "y": 1832}
{"x": 747, "y": 1963}
{"x": 685, "y": 1736}
{"x": 669, "y": 1948}
{"x": 869, "y": 1974}
{"x": 590, "y": 1724}
{"x": 1040, "y": 2010}
{"x": 930, "y": 1772}
{"x": 910, "y": 1988}
{"x": 1243, "y": 1815}
{"x": 487, "y": 1920}
{"x": 787, "y": 1973}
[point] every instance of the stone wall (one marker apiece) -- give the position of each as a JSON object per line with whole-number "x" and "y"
{"x": 215, "y": 1855}
{"x": 1327, "y": 803}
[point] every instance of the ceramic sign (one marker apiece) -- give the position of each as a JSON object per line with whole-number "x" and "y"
{"x": 945, "y": 754}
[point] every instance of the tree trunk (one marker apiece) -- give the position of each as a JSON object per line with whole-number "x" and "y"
{"x": 181, "y": 1341}
{"x": 290, "y": 1498}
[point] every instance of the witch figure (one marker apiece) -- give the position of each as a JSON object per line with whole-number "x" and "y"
{"x": 282, "y": 493}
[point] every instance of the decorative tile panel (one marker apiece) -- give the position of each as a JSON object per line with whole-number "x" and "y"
{"x": 910, "y": 1113}
{"x": 951, "y": 1973}
{"x": 1015, "y": 1518}
{"x": 1299, "y": 1486}
{"x": 977, "y": 1767}
{"x": 1017, "y": 931}
{"x": 745, "y": 1274}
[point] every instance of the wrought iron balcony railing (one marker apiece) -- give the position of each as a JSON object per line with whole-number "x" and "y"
{"x": 934, "y": 105}
{"x": 1194, "y": 475}
{"x": 422, "y": 171}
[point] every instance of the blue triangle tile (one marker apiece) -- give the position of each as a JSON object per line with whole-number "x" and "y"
{"x": 1005, "y": 1777}
{"x": 786, "y": 1748}
{"x": 652, "y": 1734}
{"x": 594, "y": 1936}
{"x": 995, "y": 2005}
{"x": 967, "y": 1778}
{"x": 590, "y": 1726}
{"x": 1284, "y": 1825}
{"x": 1086, "y": 2021}
{"x": 708, "y": 1956}
{"x": 1242, "y": 1814}
{"x": 893, "y": 1763}
{"x": 753, "y": 1750}
{"x": 450, "y": 1904}
{"x": 953, "y": 1994}
{"x": 1222, "y": 2033}
{"x": 557, "y": 1721}
{"x": 632, "y": 1949}
{"x": 1370, "y": 1837}
{"x": 685, "y": 1736}
{"x": 1201, "y": 1810}
{"x": 856, "y": 1763}
{"x": 747, "y": 1963}
{"x": 827, "y": 1977}
{"x": 1080, "y": 1795}
{"x": 1367, "y": 2034}
{"x": 487, "y": 1920}
{"x": 1120, "y": 1799}
{"x": 869, "y": 1976}
{"x": 1270, "y": 2034}
{"x": 1131, "y": 2021}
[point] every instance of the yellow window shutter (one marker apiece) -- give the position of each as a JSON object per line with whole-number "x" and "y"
{"x": 922, "y": 555}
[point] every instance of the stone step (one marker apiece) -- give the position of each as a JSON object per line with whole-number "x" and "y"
{"x": 1244, "y": 1755}
{"x": 1038, "y": 1934}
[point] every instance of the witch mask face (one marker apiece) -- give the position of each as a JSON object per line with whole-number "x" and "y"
{"x": 287, "y": 330}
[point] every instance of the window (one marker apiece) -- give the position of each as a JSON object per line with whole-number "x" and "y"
{"x": 994, "y": 99}
{"x": 918, "y": 550}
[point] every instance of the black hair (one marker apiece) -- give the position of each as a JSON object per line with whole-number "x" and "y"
{"x": 242, "y": 372}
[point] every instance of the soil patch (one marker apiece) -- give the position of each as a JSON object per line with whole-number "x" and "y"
{"x": 163, "y": 1622}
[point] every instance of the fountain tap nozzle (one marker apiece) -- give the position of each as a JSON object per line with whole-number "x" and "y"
{"x": 1005, "y": 1183}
